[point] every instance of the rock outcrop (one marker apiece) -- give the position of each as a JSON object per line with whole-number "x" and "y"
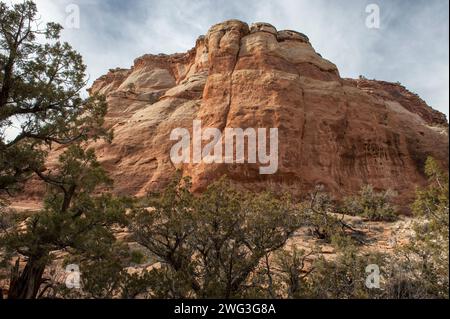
{"x": 340, "y": 133}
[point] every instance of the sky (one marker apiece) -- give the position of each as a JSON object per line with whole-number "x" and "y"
{"x": 411, "y": 45}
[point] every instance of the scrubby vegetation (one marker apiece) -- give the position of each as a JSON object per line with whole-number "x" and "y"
{"x": 375, "y": 206}
{"x": 211, "y": 245}
{"x": 427, "y": 253}
{"x": 226, "y": 243}
{"x": 40, "y": 84}
{"x": 223, "y": 243}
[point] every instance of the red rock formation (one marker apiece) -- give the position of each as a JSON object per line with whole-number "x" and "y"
{"x": 341, "y": 133}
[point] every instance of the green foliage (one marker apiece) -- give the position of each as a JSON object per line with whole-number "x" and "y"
{"x": 7, "y": 220}
{"x": 41, "y": 80}
{"x": 344, "y": 277}
{"x": 102, "y": 272}
{"x": 291, "y": 273}
{"x": 224, "y": 243}
{"x": 211, "y": 245}
{"x": 72, "y": 220}
{"x": 428, "y": 252}
{"x": 324, "y": 223}
{"x": 136, "y": 257}
{"x": 296, "y": 274}
{"x": 374, "y": 206}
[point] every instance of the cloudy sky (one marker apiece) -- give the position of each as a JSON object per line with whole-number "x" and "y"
{"x": 411, "y": 45}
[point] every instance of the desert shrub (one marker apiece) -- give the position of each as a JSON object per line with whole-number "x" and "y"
{"x": 319, "y": 211}
{"x": 369, "y": 204}
{"x": 292, "y": 272}
{"x": 210, "y": 246}
{"x": 323, "y": 221}
{"x": 409, "y": 279}
{"x": 297, "y": 274}
{"x": 428, "y": 250}
{"x": 343, "y": 277}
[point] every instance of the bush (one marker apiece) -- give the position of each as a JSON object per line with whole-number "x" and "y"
{"x": 429, "y": 249}
{"x": 324, "y": 223}
{"x": 211, "y": 245}
{"x": 343, "y": 277}
{"x": 374, "y": 206}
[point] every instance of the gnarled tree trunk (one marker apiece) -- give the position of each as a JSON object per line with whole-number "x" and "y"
{"x": 26, "y": 284}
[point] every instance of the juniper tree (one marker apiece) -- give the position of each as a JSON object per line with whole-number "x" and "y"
{"x": 41, "y": 79}
{"x": 72, "y": 220}
{"x": 211, "y": 245}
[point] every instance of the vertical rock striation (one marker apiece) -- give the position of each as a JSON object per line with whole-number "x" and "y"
{"x": 337, "y": 132}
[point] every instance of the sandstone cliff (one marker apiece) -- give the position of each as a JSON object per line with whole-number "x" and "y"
{"x": 337, "y": 132}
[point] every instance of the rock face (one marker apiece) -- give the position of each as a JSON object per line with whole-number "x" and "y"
{"x": 340, "y": 133}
